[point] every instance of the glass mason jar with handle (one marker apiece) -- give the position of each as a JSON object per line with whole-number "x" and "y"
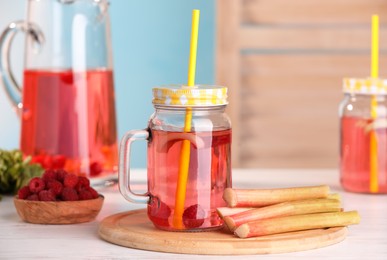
{"x": 67, "y": 102}
{"x": 209, "y": 158}
{"x": 363, "y": 136}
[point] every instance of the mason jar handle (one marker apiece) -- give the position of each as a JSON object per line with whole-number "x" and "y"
{"x": 124, "y": 166}
{"x": 12, "y": 89}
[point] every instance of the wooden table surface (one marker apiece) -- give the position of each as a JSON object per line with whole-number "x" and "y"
{"x": 21, "y": 240}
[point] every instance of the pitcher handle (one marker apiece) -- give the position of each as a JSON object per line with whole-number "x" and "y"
{"x": 124, "y": 166}
{"x": 12, "y": 88}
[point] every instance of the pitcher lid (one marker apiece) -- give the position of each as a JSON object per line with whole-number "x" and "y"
{"x": 198, "y": 95}
{"x": 368, "y": 86}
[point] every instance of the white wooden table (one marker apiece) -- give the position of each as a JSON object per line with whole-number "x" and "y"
{"x": 21, "y": 240}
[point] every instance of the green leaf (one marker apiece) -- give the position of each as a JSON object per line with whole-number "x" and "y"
{"x": 16, "y": 172}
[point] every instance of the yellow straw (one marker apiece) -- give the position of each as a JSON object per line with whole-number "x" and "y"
{"x": 374, "y": 185}
{"x": 375, "y": 47}
{"x": 185, "y": 149}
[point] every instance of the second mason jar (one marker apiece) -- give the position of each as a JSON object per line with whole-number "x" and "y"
{"x": 194, "y": 116}
{"x": 363, "y": 152}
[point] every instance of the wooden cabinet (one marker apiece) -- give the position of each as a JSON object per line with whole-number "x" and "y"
{"x": 284, "y": 61}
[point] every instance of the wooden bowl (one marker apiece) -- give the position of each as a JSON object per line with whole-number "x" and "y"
{"x": 58, "y": 212}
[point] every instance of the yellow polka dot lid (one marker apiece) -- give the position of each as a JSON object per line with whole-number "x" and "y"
{"x": 198, "y": 95}
{"x": 367, "y": 86}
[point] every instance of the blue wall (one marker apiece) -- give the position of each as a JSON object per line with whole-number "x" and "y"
{"x": 150, "y": 47}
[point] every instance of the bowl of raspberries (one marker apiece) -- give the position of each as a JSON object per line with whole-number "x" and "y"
{"x": 58, "y": 197}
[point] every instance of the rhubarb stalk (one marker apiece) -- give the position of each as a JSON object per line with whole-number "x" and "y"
{"x": 297, "y": 223}
{"x": 280, "y": 210}
{"x": 265, "y": 197}
{"x": 334, "y": 196}
{"x": 226, "y": 211}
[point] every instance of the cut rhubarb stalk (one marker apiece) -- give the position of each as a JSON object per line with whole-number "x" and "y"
{"x": 297, "y": 223}
{"x": 226, "y": 211}
{"x": 260, "y": 197}
{"x": 334, "y": 196}
{"x": 283, "y": 209}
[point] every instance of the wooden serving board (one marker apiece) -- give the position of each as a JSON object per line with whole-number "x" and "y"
{"x": 133, "y": 229}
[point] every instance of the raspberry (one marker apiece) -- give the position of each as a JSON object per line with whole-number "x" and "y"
{"x": 23, "y": 193}
{"x": 193, "y": 216}
{"x": 47, "y": 162}
{"x": 158, "y": 212}
{"x": 93, "y": 192}
{"x": 85, "y": 195}
{"x": 38, "y": 159}
{"x": 95, "y": 169}
{"x": 55, "y": 187}
{"x": 82, "y": 184}
{"x": 69, "y": 194}
{"x": 58, "y": 161}
{"x": 46, "y": 195}
{"x": 49, "y": 175}
{"x": 70, "y": 180}
{"x": 33, "y": 197}
{"x": 60, "y": 175}
{"x": 36, "y": 185}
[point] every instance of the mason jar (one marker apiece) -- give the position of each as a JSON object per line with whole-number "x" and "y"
{"x": 189, "y": 158}
{"x": 363, "y": 136}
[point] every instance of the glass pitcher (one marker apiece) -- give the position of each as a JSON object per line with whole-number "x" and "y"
{"x": 67, "y": 102}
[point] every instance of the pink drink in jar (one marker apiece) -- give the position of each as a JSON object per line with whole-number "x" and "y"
{"x": 209, "y": 175}
{"x": 359, "y": 170}
{"x": 209, "y": 164}
{"x": 355, "y": 155}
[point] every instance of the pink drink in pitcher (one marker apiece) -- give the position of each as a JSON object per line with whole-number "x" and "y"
{"x": 69, "y": 121}
{"x": 208, "y": 176}
{"x": 355, "y": 154}
{"x": 67, "y": 109}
